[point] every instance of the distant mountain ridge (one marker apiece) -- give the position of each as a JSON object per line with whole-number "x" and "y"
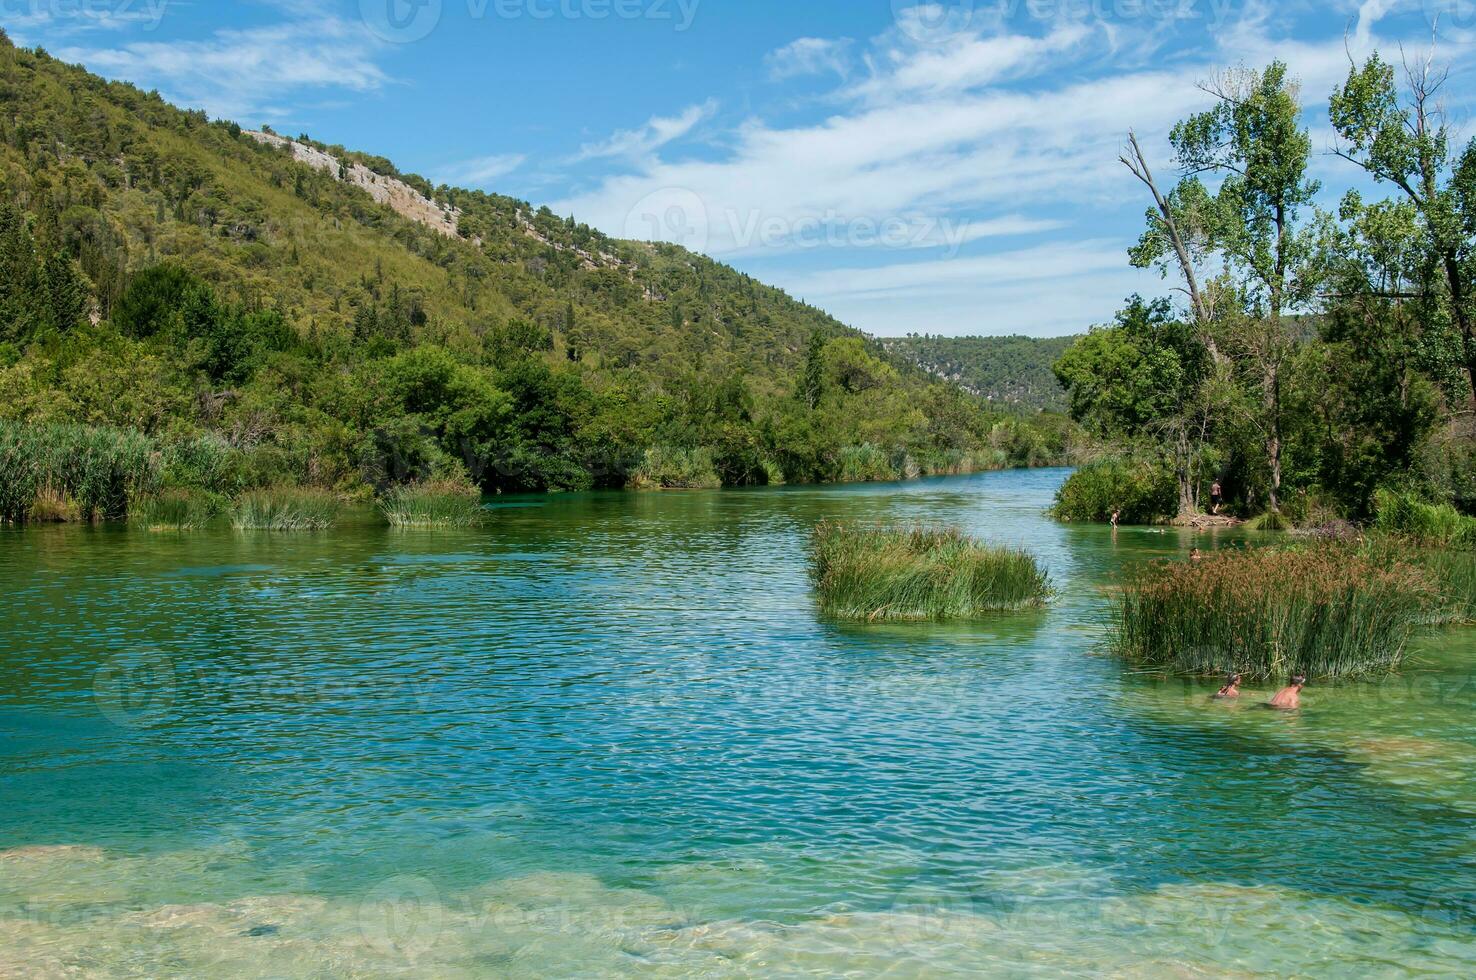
{"x": 287, "y": 290}
{"x": 1014, "y": 372}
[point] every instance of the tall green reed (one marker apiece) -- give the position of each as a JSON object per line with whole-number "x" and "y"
{"x": 876, "y": 574}
{"x": 442, "y": 503}
{"x": 91, "y": 472}
{"x": 286, "y": 509}
{"x": 1329, "y": 611}
{"x": 175, "y": 510}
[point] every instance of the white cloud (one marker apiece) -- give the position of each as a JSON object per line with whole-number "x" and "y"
{"x": 810, "y": 56}
{"x": 242, "y": 74}
{"x": 481, "y": 171}
{"x": 645, "y": 140}
{"x": 967, "y": 130}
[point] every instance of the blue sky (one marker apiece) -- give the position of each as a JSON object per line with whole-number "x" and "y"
{"x": 946, "y": 167}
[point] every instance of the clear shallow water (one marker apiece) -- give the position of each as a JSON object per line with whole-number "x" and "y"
{"x": 608, "y": 735}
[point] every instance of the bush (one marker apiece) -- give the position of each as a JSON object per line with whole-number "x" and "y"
{"x": 1145, "y": 493}
{"x": 1269, "y": 521}
{"x": 894, "y": 573}
{"x": 1406, "y": 515}
{"x": 676, "y": 468}
{"x": 1324, "y": 612}
{"x": 442, "y": 503}
{"x": 865, "y": 464}
{"x": 174, "y": 510}
{"x": 286, "y": 509}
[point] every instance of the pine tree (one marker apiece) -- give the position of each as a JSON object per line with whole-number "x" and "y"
{"x": 66, "y": 292}
{"x": 814, "y": 381}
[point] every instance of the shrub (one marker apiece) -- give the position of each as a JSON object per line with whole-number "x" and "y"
{"x": 865, "y": 464}
{"x": 677, "y": 468}
{"x": 1269, "y": 521}
{"x": 52, "y": 506}
{"x": 286, "y": 509}
{"x": 208, "y": 463}
{"x": 897, "y": 573}
{"x": 174, "y": 510}
{"x": 1406, "y": 515}
{"x": 1328, "y": 611}
{"x": 441, "y": 503}
{"x": 1145, "y": 492}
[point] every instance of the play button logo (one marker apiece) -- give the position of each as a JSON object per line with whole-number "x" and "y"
{"x": 401, "y": 21}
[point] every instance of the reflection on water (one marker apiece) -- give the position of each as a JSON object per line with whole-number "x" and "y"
{"x": 608, "y": 735}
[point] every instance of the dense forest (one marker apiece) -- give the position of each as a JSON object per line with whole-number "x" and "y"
{"x": 1016, "y": 372}
{"x": 174, "y": 277}
{"x": 1317, "y": 366}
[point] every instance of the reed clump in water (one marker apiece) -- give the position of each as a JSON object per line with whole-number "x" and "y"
{"x": 286, "y": 509}
{"x": 877, "y": 574}
{"x": 439, "y": 503}
{"x": 677, "y": 468}
{"x": 1330, "y": 611}
{"x": 174, "y": 510}
{"x": 1451, "y": 571}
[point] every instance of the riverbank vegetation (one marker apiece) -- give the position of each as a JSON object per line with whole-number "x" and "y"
{"x": 286, "y": 509}
{"x": 171, "y": 278}
{"x": 1321, "y": 365}
{"x": 440, "y": 503}
{"x": 1331, "y": 611}
{"x": 876, "y": 574}
{"x": 175, "y": 510}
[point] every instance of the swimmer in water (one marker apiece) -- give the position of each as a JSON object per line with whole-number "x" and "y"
{"x": 1231, "y": 689}
{"x": 1289, "y": 698}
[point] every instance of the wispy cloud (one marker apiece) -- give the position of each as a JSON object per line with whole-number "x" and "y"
{"x": 645, "y": 140}
{"x": 968, "y": 128}
{"x": 481, "y": 171}
{"x": 810, "y": 56}
{"x": 244, "y": 74}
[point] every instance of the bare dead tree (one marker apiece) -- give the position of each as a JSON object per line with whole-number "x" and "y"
{"x": 1137, "y": 163}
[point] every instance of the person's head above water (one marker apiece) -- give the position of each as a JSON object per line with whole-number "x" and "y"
{"x": 1232, "y": 679}
{"x": 1299, "y": 680}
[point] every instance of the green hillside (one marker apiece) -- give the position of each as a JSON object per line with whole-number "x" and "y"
{"x": 1012, "y": 372}
{"x": 167, "y": 273}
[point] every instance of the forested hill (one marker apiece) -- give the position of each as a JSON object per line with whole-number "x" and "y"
{"x": 343, "y": 324}
{"x": 1009, "y": 371}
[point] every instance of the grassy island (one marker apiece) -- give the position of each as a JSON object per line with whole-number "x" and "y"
{"x": 876, "y": 574}
{"x": 1329, "y": 611}
{"x": 286, "y": 509}
{"x": 440, "y": 503}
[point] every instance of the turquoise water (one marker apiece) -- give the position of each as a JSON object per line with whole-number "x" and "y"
{"x": 608, "y": 735}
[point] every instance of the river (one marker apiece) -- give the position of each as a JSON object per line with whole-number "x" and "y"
{"x": 607, "y": 735}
